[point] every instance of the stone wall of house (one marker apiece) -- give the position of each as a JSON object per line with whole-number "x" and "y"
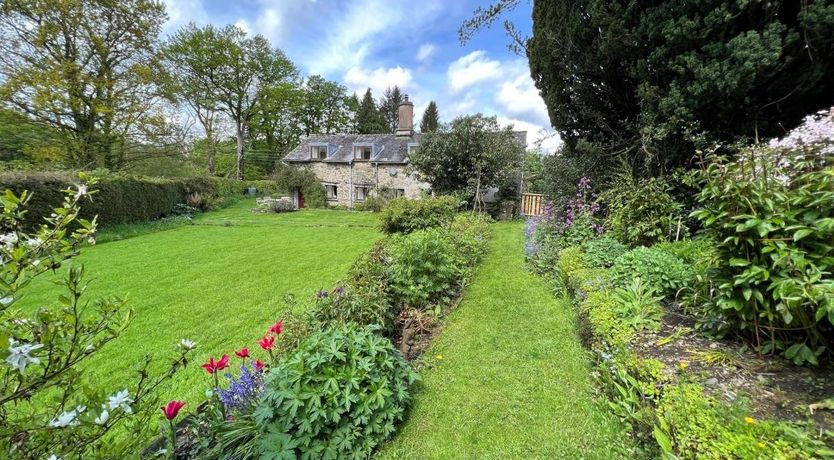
{"x": 348, "y": 176}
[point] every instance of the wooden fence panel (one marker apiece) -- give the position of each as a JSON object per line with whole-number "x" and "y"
{"x": 532, "y": 204}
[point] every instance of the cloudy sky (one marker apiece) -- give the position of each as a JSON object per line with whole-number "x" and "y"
{"x": 380, "y": 43}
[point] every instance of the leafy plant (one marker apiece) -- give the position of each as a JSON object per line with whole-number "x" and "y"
{"x": 639, "y": 306}
{"x": 642, "y": 212}
{"x": 772, "y": 216}
{"x": 338, "y": 396}
{"x": 602, "y": 252}
{"x": 403, "y": 215}
{"x": 660, "y": 271}
{"x": 422, "y": 269}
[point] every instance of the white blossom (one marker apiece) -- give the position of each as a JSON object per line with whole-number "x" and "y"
{"x": 33, "y": 242}
{"x": 53, "y": 457}
{"x": 7, "y": 300}
{"x": 19, "y": 354}
{"x": 103, "y": 417}
{"x": 8, "y": 239}
{"x": 121, "y": 399}
{"x": 188, "y": 345}
{"x": 69, "y": 418}
{"x": 81, "y": 191}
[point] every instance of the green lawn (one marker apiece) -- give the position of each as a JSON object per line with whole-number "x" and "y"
{"x": 220, "y": 282}
{"x": 513, "y": 381}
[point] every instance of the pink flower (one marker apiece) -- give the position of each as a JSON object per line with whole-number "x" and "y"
{"x": 213, "y": 366}
{"x": 172, "y": 409}
{"x": 267, "y": 342}
{"x": 277, "y": 328}
{"x": 259, "y": 365}
{"x": 242, "y": 353}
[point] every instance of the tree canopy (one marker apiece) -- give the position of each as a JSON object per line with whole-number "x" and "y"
{"x": 651, "y": 80}
{"x": 369, "y": 119}
{"x": 431, "y": 119}
{"x": 468, "y": 155}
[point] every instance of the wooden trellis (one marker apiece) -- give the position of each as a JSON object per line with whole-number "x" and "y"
{"x": 532, "y": 204}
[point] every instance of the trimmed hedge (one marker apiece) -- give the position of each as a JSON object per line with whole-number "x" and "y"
{"x": 123, "y": 199}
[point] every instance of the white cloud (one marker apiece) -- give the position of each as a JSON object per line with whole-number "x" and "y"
{"x": 181, "y": 12}
{"x": 519, "y": 97}
{"x": 473, "y": 68}
{"x": 426, "y": 51}
{"x": 538, "y": 136}
{"x": 358, "y": 79}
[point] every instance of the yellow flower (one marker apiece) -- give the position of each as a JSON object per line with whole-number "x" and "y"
{"x": 439, "y": 357}
{"x": 749, "y": 420}
{"x": 684, "y": 364}
{"x": 761, "y": 445}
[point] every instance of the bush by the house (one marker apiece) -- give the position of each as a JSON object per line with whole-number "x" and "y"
{"x": 663, "y": 272}
{"x": 377, "y": 201}
{"x": 274, "y": 205}
{"x": 338, "y": 396}
{"x": 405, "y": 216}
{"x": 287, "y": 178}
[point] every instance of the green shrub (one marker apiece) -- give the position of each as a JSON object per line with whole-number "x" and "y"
{"x": 642, "y": 212}
{"x": 468, "y": 233}
{"x": 695, "y": 426}
{"x": 638, "y": 306}
{"x": 602, "y": 252}
{"x": 289, "y": 177}
{"x": 339, "y": 395}
{"x": 773, "y": 222}
{"x": 403, "y": 215}
{"x": 422, "y": 268}
{"x": 568, "y": 265}
{"x": 661, "y": 271}
{"x": 600, "y": 309}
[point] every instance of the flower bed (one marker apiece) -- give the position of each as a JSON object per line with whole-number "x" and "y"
{"x": 683, "y": 393}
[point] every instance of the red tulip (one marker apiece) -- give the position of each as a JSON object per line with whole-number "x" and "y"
{"x": 243, "y": 353}
{"x": 213, "y": 366}
{"x": 267, "y": 342}
{"x": 277, "y": 328}
{"x": 259, "y": 365}
{"x": 172, "y": 409}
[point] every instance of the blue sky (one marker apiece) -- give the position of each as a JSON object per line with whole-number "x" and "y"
{"x": 379, "y": 43}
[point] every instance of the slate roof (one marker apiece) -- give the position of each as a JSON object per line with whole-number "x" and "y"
{"x": 388, "y": 148}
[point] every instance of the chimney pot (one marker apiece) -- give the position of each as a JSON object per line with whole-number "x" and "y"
{"x": 405, "y": 124}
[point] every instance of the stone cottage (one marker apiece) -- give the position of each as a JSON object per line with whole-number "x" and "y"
{"x": 351, "y": 167}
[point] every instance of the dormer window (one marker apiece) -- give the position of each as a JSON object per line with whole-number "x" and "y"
{"x": 318, "y": 152}
{"x": 411, "y": 147}
{"x": 362, "y": 152}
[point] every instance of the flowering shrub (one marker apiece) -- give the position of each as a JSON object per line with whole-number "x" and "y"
{"x": 338, "y": 396}
{"x": 243, "y": 391}
{"x": 773, "y": 222}
{"x": 553, "y": 231}
{"x": 44, "y": 409}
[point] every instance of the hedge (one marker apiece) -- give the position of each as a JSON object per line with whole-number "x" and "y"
{"x": 121, "y": 199}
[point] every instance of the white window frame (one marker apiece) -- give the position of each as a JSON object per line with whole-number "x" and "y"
{"x": 357, "y": 148}
{"x": 366, "y": 191}
{"x": 411, "y": 147}
{"x": 335, "y": 189}
{"x": 317, "y": 148}
{"x": 399, "y": 192}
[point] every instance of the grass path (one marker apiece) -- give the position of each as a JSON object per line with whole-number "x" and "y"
{"x": 513, "y": 380}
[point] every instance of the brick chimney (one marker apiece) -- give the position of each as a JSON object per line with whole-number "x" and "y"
{"x": 405, "y": 125}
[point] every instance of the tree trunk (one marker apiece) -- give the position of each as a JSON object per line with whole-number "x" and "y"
{"x": 241, "y": 162}
{"x": 212, "y": 151}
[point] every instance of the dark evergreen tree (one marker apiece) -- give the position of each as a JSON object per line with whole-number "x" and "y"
{"x": 389, "y": 105}
{"x": 652, "y": 80}
{"x": 369, "y": 119}
{"x": 431, "y": 119}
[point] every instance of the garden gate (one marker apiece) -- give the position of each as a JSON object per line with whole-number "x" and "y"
{"x": 532, "y": 204}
